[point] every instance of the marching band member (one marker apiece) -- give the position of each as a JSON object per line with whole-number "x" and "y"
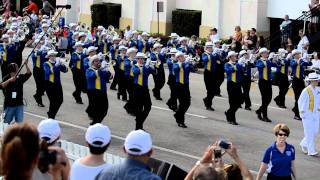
{"x": 7, "y": 54}
{"x": 103, "y": 43}
{"x": 209, "y": 75}
{"x": 91, "y": 52}
{"x": 114, "y": 51}
{"x": 233, "y": 71}
{"x": 219, "y": 65}
{"x": 309, "y": 108}
{"x": 159, "y": 75}
{"x": 282, "y": 78}
{"x": 122, "y": 91}
{"x": 244, "y": 61}
{"x": 141, "y": 95}
{"x": 75, "y": 38}
{"x": 133, "y": 40}
{"x": 83, "y": 39}
{"x": 183, "y": 46}
{"x": 97, "y": 78}
{"x": 143, "y": 44}
{"x": 298, "y": 66}
{"x": 128, "y": 75}
{"x": 182, "y": 70}
{"x": 38, "y": 59}
{"x": 98, "y": 36}
{"x": 71, "y": 31}
{"x": 52, "y": 69}
{"x": 172, "y": 101}
{"x": 264, "y": 65}
{"x": 173, "y": 42}
{"x": 78, "y": 72}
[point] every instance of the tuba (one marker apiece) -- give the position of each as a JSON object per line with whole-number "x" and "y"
{"x": 111, "y": 31}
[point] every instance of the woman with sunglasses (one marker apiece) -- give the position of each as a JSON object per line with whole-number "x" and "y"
{"x": 279, "y": 158}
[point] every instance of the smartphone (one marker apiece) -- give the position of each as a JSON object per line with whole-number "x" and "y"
{"x": 217, "y": 153}
{"x": 224, "y": 145}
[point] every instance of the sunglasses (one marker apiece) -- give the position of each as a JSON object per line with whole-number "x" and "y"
{"x": 282, "y": 134}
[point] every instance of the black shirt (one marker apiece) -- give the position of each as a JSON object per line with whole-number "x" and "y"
{"x": 254, "y": 40}
{"x": 13, "y": 93}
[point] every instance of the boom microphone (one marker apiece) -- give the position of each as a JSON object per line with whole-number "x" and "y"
{"x": 68, "y": 6}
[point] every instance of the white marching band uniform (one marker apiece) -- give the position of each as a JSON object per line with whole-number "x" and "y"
{"x": 309, "y": 108}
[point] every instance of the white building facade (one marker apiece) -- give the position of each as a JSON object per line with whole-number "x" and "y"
{"x": 222, "y": 14}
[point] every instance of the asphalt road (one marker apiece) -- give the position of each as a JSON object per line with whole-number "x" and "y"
{"x": 183, "y": 147}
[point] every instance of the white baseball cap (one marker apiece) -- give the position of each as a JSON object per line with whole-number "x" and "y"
{"x": 295, "y": 51}
{"x": 98, "y": 133}
{"x": 51, "y": 53}
{"x": 92, "y": 48}
{"x": 242, "y": 52}
{"x": 263, "y": 50}
{"x": 78, "y": 44}
{"x": 209, "y": 44}
{"x": 174, "y": 35}
{"x": 157, "y": 45}
{"x": 100, "y": 28}
{"x": 144, "y": 34}
{"x": 313, "y": 77}
{"x": 131, "y": 50}
{"x": 141, "y": 55}
{"x": 216, "y": 41}
{"x": 5, "y": 36}
{"x": 45, "y": 17}
{"x": 231, "y": 53}
{"x": 122, "y": 47}
{"x": 282, "y": 51}
{"x": 173, "y": 51}
{"x": 179, "y": 53}
{"x": 82, "y": 34}
{"x": 45, "y": 25}
{"x": 183, "y": 39}
{"x": 138, "y": 143}
{"x": 116, "y": 38}
{"x": 49, "y": 128}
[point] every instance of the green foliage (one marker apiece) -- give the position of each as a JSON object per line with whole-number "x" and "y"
{"x": 186, "y": 22}
{"x": 105, "y": 14}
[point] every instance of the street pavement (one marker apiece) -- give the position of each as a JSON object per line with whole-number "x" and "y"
{"x": 182, "y": 147}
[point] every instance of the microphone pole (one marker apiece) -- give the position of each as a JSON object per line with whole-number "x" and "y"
{"x": 26, "y": 61}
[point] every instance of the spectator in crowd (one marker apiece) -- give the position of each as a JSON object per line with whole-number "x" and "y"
{"x": 286, "y": 31}
{"x": 127, "y": 32}
{"x": 260, "y": 42}
{"x": 62, "y": 44}
{"x": 98, "y": 138}
{"x": 19, "y": 152}
{"x": 138, "y": 147}
{"x": 237, "y": 38}
{"x": 32, "y": 7}
{"x": 316, "y": 61}
{"x": 279, "y": 157}
{"x": 211, "y": 165}
{"x": 304, "y": 42}
{"x": 245, "y": 40}
{"x": 252, "y": 39}
{"x": 49, "y": 132}
{"x": 214, "y": 36}
{"x": 47, "y": 8}
{"x": 12, "y": 86}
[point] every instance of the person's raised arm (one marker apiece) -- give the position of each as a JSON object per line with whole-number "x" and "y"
{"x": 232, "y": 151}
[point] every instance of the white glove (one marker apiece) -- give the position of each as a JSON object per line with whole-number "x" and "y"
{"x": 289, "y": 56}
{"x": 58, "y": 63}
{"x": 148, "y": 62}
{"x": 271, "y": 55}
{"x": 163, "y": 50}
{"x": 188, "y": 59}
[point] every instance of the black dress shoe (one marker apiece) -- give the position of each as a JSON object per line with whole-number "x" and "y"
{"x": 158, "y": 98}
{"x": 113, "y": 88}
{"x": 118, "y": 96}
{"x": 259, "y": 114}
{"x": 297, "y": 118}
{"x": 248, "y": 108}
{"x": 234, "y": 123}
{"x": 266, "y": 119}
{"x": 79, "y": 102}
{"x": 182, "y": 125}
{"x": 40, "y": 105}
{"x": 210, "y": 108}
{"x": 283, "y": 107}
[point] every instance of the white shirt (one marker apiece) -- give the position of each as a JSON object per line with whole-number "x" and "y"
{"x": 304, "y": 40}
{"x": 315, "y": 63}
{"x": 214, "y": 37}
{"x": 304, "y": 101}
{"x": 81, "y": 171}
{"x": 127, "y": 34}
